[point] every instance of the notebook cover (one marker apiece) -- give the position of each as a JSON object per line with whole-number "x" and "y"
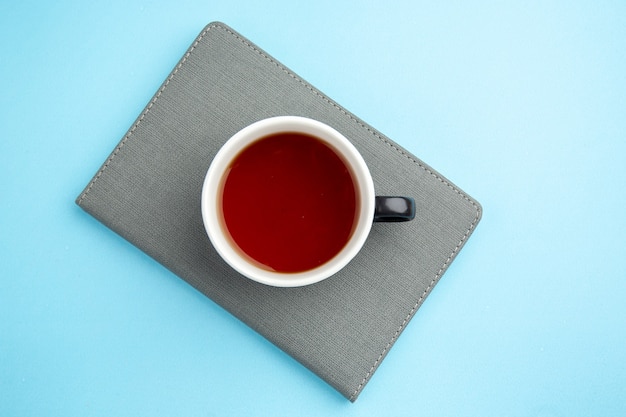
{"x": 148, "y": 191}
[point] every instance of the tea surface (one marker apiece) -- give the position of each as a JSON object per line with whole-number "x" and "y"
{"x": 289, "y": 202}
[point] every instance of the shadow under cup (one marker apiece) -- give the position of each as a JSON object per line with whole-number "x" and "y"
{"x": 289, "y": 201}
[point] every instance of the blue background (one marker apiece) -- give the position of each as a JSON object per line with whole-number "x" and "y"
{"x": 522, "y": 104}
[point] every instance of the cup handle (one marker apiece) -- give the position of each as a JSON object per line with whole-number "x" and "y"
{"x": 394, "y": 209}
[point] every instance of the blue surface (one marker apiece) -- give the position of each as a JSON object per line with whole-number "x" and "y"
{"x": 522, "y": 104}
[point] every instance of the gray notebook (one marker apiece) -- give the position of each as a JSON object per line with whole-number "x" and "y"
{"x": 148, "y": 191}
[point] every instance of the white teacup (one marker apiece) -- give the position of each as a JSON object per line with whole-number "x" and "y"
{"x": 222, "y": 222}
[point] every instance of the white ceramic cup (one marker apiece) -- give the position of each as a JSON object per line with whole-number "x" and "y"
{"x": 211, "y": 200}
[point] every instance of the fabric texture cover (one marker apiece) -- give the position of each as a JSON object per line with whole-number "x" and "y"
{"x": 148, "y": 191}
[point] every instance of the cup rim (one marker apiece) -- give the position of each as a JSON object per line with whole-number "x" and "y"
{"x": 211, "y": 188}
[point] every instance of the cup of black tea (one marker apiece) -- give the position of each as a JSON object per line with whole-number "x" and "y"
{"x": 289, "y": 201}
